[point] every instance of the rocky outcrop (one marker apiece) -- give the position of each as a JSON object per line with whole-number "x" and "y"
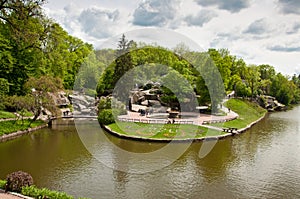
{"x": 270, "y": 103}
{"x": 83, "y": 104}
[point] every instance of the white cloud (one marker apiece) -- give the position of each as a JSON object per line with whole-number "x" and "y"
{"x": 229, "y": 5}
{"x": 89, "y": 23}
{"x": 257, "y": 30}
{"x": 226, "y": 39}
{"x": 98, "y": 23}
{"x": 258, "y": 27}
{"x": 295, "y": 29}
{"x": 200, "y": 18}
{"x": 284, "y": 48}
{"x": 155, "y": 12}
{"x": 289, "y": 6}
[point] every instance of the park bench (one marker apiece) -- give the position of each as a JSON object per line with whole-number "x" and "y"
{"x": 230, "y": 130}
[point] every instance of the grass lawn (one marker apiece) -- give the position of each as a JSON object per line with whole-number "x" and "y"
{"x": 5, "y": 114}
{"x": 248, "y": 113}
{"x": 7, "y": 127}
{"x": 162, "y": 131}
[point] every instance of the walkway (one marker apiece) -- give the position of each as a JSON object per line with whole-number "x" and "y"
{"x": 12, "y": 196}
{"x": 197, "y": 119}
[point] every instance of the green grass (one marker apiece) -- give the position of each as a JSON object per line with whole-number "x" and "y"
{"x": 7, "y": 127}
{"x": 162, "y": 131}
{"x": 5, "y": 115}
{"x": 248, "y": 112}
{"x": 33, "y": 191}
{"x": 26, "y": 113}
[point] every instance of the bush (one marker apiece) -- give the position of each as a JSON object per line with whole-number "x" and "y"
{"x": 33, "y": 191}
{"x": 106, "y": 117}
{"x": 17, "y": 180}
{"x": 104, "y": 103}
{"x": 2, "y": 184}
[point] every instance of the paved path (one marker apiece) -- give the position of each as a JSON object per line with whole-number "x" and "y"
{"x": 11, "y": 196}
{"x": 197, "y": 119}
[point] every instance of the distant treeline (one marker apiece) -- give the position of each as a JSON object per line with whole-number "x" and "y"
{"x": 198, "y": 69}
{"x": 33, "y": 46}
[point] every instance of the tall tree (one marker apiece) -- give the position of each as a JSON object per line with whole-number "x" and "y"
{"x": 123, "y": 60}
{"x": 252, "y": 78}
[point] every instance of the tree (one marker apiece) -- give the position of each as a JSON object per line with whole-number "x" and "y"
{"x": 266, "y": 71}
{"x": 22, "y": 8}
{"x": 4, "y": 87}
{"x": 252, "y": 77}
{"x": 41, "y": 89}
{"x": 209, "y": 84}
{"x": 223, "y": 61}
{"x": 123, "y": 60}
{"x": 181, "y": 49}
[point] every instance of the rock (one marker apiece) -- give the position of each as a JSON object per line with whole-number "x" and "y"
{"x": 270, "y": 103}
{"x": 81, "y": 107}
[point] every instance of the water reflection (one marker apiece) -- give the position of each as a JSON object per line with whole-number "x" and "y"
{"x": 261, "y": 163}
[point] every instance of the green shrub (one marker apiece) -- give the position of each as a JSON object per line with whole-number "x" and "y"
{"x": 33, "y": 191}
{"x": 104, "y": 103}
{"x": 17, "y": 180}
{"x": 106, "y": 117}
{"x": 2, "y": 184}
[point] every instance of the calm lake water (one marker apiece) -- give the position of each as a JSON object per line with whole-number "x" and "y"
{"x": 264, "y": 162}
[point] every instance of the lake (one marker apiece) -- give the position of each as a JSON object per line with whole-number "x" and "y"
{"x": 84, "y": 161}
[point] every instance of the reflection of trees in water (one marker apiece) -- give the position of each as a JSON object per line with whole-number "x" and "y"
{"x": 260, "y": 135}
{"x": 214, "y": 165}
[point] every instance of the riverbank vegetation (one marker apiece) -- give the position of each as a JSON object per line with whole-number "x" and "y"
{"x": 35, "y": 48}
{"x": 35, "y": 192}
{"x": 7, "y": 127}
{"x": 162, "y": 131}
{"x": 248, "y": 112}
{"x": 6, "y": 115}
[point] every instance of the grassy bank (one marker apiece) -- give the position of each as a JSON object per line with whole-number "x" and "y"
{"x": 7, "y": 127}
{"x": 5, "y": 115}
{"x": 248, "y": 112}
{"x": 33, "y": 191}
{"x": 162, "y": 131}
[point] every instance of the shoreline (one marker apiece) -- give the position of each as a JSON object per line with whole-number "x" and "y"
{"x": 14, "y": 135}
{"x": 217, "y": 137}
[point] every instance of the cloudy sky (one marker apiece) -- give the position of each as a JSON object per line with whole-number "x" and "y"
{"x": 259, "y": 31}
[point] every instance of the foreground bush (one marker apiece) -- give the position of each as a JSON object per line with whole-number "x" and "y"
{"x": 17, "y": 180}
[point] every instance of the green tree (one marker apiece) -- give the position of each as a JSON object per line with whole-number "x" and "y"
{"x": 252, "y": 77}
{"x": 41, "y": 89}
{"x": 123, "y": 60}
{"x": 284, "y": 90}
{"x": 4, "y": 87}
